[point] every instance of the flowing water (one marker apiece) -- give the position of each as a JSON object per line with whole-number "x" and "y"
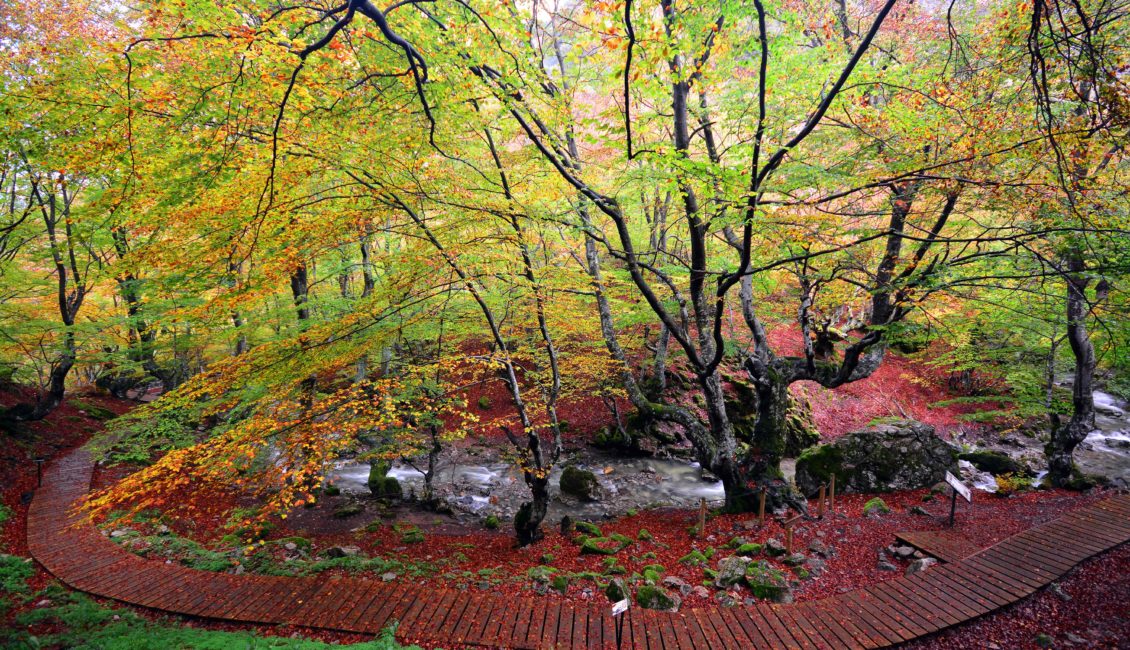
{"x": 1106, "y": 450}
{"x": 496, "y": 487}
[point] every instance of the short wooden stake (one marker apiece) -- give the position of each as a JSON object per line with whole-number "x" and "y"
{"x": 761, "y": 509}
{"x": 789, "y": 539}
{"x": 832, "y": 494}
{"x": 702, "y": 517}
{"x": 820, "y": 507}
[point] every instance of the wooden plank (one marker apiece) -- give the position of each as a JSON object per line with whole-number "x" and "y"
{"x": 803, "y": 638}
{"x": 828, "y": 627}
{"x": 774, "y": 623}
{"x": 909, "y": 607}
{"x": 743, "y": 618}
{"x": 863, "y": 613}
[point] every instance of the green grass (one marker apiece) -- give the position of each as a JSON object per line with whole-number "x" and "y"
{"x": 86, "y": 625}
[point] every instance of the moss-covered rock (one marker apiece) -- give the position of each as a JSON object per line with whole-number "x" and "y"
{"x": 749, "y": 550}
{"x": 993, "y": 462}
{"x": 346, "y": 510}
{"x": 600, "y": 546}
{"x": 767, "y": 582}
{"x": 896, "y": 455}
{"x": 616, "y": 590}
{"x": 695, "y": 558}
{"x": 580, "y": 483}
{"x": 875, "y": 507}
{"x": 588, "y": 528}
{"x": 654, "y": 597}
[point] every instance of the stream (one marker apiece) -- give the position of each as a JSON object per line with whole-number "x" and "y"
{"x": 493, "y": 487}
{"x": 478, "y": 484}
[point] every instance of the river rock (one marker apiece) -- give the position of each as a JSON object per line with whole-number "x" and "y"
{"x": 899, "y": 455}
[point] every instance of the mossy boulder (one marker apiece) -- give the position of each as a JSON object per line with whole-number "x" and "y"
{"x": 602, "y": 546}
{"x": 658, "y": 598}
{"x": 580, "y": 483}
{"x": 993, "y": 462}
{"x": 588, "y": 528}
{"x": 767, "y": 582}
{"x": 381, "y": 484}
{"x": 875, "y": 507}
{"x": 616, "y": 590}
{"x": 347, "y": 510}
{"x": 749, "y": 550}
{"x": 896, "y": 455}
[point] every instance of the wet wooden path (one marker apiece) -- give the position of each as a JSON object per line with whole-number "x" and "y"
{"x": 885, "y": 614}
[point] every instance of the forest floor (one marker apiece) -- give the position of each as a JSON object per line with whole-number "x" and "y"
{"x": 1088, "y": 610}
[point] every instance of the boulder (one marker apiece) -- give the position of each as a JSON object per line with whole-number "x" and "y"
{"x": 580, "y": 483}
{"x": 731, "y": 571}
{"x": 774, "y": 547}
{"x": 767, "y": 582}
{"x": 652, "y": 597}
{"x": 616, "y": 590}
{"x": 898, "y": 455}
{"x": 343, "y": 551}
{"x": 993, "y": 462}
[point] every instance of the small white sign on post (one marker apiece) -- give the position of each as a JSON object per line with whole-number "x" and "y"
{"x": 620, "y": 607}
{"x": 957, "y": 485}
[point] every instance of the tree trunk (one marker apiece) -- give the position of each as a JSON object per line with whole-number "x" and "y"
{"x": 1064, "y": 439}
{"x": 527, "y": 523}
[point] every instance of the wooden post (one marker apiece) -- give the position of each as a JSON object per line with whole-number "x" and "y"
{"x": 702, "y": 517}
{"x": 761, "y": 509}
{"x": 789, "y": 539}
{"x": 820, "y": 507}
{"x": 832, "y": 494}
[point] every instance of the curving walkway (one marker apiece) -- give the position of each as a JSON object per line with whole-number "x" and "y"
{"x": 891, "y": 612}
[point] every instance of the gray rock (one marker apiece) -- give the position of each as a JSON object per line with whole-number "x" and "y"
{"x": 900, "y": 455}
{"x": 903, "y": 551}
{"x": 1057, "y": 589}
{"x": 653, "y": 597}
{"x": 818, "y": 547}
{"x": 388, "y": 577}
{"x": 700, "y": 591}
{"x": 796, "y": 559}
{"x": 884, "y": 564}
{"x": 343, "y": 551}
{"x": 726, "y": 599}
{"x": 774, "y": 547}
{"x": 731, "y": 570}
{"x": 815, "y": 566}
{"x": 919, "y": 566}
{"x": 768, "y": 582}
{"x": 121, "y": 532}
{"x": 290, "y": 546}
{"x": 674, "y": 582}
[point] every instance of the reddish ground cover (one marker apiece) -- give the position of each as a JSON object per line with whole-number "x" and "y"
{"x": 488, "y": 560}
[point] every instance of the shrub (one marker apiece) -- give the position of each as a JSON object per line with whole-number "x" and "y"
{"x": 491, "y": 522}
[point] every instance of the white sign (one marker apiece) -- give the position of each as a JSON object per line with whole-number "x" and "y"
{"x": 956, "y": 484}
{"x": 620, "y": 607}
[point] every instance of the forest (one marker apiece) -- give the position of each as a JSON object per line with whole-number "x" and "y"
{"x": 695, "y": 306}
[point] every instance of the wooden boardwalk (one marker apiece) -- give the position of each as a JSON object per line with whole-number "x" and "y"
{"x": 885, "y": 614}
{"x": 944, "y": 545}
